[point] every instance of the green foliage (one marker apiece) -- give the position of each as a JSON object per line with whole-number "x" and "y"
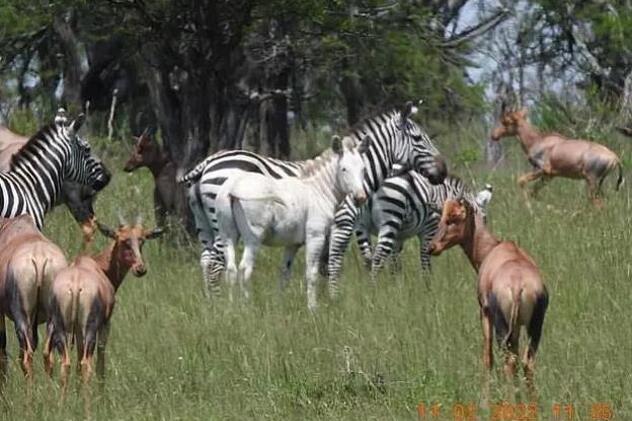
{"x": 23, "y": 122}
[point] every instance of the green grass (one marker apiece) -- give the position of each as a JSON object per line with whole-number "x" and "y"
{"x": 174, "y": 355}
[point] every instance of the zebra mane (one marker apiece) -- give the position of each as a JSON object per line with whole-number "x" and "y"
{"x": 40, "y": 135}
{"x": 358, "y": 130}
{"x": 312, "y": 166}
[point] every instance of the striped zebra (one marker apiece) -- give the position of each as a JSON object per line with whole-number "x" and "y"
{"x": 54, "y": 154}
{"x": 405, "y": 207}
{"x": 395, "y": 141}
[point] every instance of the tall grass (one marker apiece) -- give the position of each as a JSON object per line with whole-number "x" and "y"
{"x": 375, "y": 353}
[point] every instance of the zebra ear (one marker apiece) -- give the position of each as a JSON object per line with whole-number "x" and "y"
{"x": 107, "y": 231}
{"x": 408, "y": 110}
{"x": 155, "y": 233}
{"x": 363, "y": 147}
{"x": 77, "y": 123}
{"x": 336, "y": 145}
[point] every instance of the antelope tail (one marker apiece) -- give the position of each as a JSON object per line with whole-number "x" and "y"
{"x": 515, "y": 307}
{"x": 39, "y": 280}
{"x": 72, "y": 319}
{"x": 620, "y": 179}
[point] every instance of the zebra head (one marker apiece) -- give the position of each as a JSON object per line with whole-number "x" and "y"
{"x": 83, "y": 167}
{"x": 417, "y": 150}
{"x": 350, "y": 173}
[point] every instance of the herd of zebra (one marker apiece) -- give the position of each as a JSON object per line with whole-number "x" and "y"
{"x": 385, "y": 177}
{"x": 405, "y": 179}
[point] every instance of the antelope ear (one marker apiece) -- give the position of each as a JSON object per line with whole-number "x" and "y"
{"x": 107, "y": 231}
{"x": 155, "y": 233}
{"x": 77, "y": 123}
{"x": 522, "y": 113}
{"x": 336, "y": 145}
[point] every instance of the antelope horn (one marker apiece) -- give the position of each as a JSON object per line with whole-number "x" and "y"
{"x": 122, "y": 221}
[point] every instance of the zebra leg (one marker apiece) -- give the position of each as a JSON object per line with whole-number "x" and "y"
{"x": 246, "y": 266}
{"x": 396, "y": 258}
{"x": 313, "y": 249}
{"x": 231, "y": 266}
{"x": 386, "y": 243}
{"x": 424, "y": 254}
{"x": 217, "y": 265}
{"x": 286, "y": 268}
{"x": 363, "y": 238}
{"x": 341, "y": 231}
{"x": 428, "y": 231}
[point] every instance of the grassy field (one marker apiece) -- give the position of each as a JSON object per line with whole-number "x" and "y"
{"x": 174, "y": 355}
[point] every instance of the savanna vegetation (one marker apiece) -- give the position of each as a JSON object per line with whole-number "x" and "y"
{"x": 209, "y": 75}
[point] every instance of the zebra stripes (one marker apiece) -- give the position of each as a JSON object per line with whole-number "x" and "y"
{"x": 37, "y": 171}
{"x": 402, "y": 208}
{"x": 423, "y": 158}
{"x": 394, "y": 140}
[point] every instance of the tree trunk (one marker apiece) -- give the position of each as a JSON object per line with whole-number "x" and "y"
{"x": 71, "y": 60}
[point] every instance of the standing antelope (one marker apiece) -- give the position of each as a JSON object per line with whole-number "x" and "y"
{"x": 511, "y": 293}
{"x": 83, "y": 296}
{"x": 289, "y": 212}
{"x": 28, "y": 264}
{"x": 168, "y": 199}
{"x": 554, "y": 155}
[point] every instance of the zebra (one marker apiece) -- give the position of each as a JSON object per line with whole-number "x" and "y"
{"x": 395, "y": 142}
{"x": 405, "y": 207}
{"x": 288, "y": 212}
{"x": 54, "y": 154}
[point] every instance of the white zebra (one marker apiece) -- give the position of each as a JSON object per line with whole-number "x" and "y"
{"x": 289, "y": 212}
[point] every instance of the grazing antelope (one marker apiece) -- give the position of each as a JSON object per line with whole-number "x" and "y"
{"x": 83, "y": 296}
{"x": 553, "y": 155}
{"x": 28, "y": 264}
{"x": 289, "y": 212}
{"x": 511, "y": 293}
{"x": 168, "y": 199}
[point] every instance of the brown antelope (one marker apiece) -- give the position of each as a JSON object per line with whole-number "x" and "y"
{"x": 83, "y": 296}
{"x": 168, "y": 199}
{"x": 28, "y": 264}
{"x": 553, "y": 155}
{"x": 510, "y": 289}
{"x": 77, "y": 197}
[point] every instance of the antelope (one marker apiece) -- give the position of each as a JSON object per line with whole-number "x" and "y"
{"x": 168, "y": 199}
{"x": 289, "y": 212}
{"x": 83, "y": 298}
{"x": 554, "y": 155}
{"x": 511, "y": 293}
{"x": 28, "y": 264}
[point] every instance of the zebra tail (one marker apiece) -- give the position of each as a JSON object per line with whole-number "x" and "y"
{"x": 194, "y": 174}
{"x": 239, "y": 217}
